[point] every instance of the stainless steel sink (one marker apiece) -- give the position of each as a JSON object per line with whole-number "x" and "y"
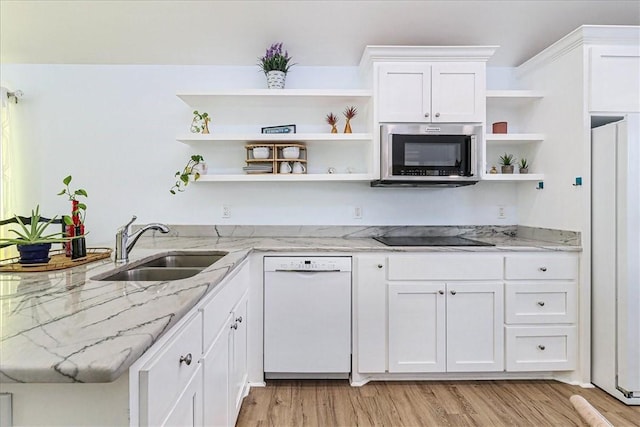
{"x": 165, "y": 267}
{"x": 182, "y": 259}
{"x": 153, "y": 274}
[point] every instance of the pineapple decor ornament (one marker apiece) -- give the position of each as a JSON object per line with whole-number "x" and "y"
{"x": 332, "y": 120}
{"x": 349, "y": 113}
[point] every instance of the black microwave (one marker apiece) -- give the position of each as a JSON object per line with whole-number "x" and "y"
{"x": 425, "y": 154}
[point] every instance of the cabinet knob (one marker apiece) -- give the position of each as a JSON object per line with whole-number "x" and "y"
{"x": 239, "y": 319}
{"x": 541, "y": 347}
{"x": 234, "y": 326}
{"x": 437, "y": 114}
{"x": 426, "y": 114}
{"x": 541, "y": 303}
{"x": 380, "y": 266}
{"x": 453, "y": 292}
{"x": 543, "y": 269}
{"x": 186, "y": 359}
{"x": 441, "y": 292}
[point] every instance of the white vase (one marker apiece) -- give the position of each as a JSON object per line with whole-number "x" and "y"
{"x": 275, "y": 79}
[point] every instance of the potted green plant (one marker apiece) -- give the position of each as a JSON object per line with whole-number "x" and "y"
{"x": 507, "y": 160}
{"x": 78, "y": 209}
{"x": 275, "y": 65}
{"x": 524, "y": 165}
{"x": 31, "y": 241}
{"x": 194, "y": 168}
{"x": 200, "y": 122}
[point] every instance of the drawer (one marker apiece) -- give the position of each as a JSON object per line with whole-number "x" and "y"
{"x": 553, "y": 266}
{"x": 164, "y": 377}
{"x": 540, "y": 348}
{"x": 445, "y": 267}
{"x": 216, "y": 311}
{"x": 540, "y": 302}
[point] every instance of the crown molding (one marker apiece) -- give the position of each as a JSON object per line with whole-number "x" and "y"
{"x": 584, "y": 36}
{"x": 373, "y": 54}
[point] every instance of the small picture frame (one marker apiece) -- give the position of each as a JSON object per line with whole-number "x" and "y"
{"x": 282, "y": 129}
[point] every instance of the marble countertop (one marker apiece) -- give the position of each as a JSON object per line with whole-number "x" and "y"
{"x": 62, "y": 326}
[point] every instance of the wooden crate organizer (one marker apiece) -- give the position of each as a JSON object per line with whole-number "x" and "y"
{"x": 275, "y": 155}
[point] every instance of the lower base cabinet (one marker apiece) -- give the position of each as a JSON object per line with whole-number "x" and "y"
{"x": 187, "y": 411}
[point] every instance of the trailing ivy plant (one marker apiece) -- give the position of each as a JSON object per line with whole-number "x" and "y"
{"x": 183, "y": 176}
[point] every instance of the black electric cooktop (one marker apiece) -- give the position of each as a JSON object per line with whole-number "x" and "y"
{"x": 430, "y": 241}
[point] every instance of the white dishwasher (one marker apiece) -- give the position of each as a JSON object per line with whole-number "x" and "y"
{"x": 307, "y": 317}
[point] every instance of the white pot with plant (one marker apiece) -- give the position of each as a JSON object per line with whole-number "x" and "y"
{"x": 507, "y": 160}
{"x": 194, "y": 168}
{"x": 275, "y": 66}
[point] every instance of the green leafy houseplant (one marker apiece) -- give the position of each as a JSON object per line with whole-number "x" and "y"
{"x": 507, "y": 160}
{"x": 275, "y": 60}
{"x": 33, "y": 234}
{"x": 523, "y": 165}
{"x": 78, "y": 209}
{"x": 188, "y": 171}
{"x": 200, "y": 122}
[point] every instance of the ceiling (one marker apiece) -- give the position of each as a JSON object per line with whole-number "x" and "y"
{"x": 328, "y": 32}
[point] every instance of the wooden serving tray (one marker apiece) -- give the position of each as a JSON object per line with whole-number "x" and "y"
{"x": 58, "y": 261}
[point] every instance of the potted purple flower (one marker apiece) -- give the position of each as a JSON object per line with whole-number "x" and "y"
{"x": 275, "y": 66}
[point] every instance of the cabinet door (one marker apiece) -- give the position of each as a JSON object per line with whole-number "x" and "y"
{"x": 404, "y": 93}
{"x": 238, "y": 357}
{"x": 475, "y": 315}
{"x": 216, "y": 378}
{"x": 370, "y": 312}
{"x": 458, "y": 92}
{"x": 188, "y": 409}
{"x": 416, "y": 327}
{"x": 614, "y": 84}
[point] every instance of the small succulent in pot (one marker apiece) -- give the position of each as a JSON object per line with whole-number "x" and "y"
{"x": 349, "y": 113}
{"x": 523, "y": 165}
{"x": 194, "y": 167}
{"x": 507, "y": 160}
{"x": 332, "y": 120}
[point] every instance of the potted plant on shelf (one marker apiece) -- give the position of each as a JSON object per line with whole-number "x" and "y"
{"x": 524, "y": 166}
{"x": 349, "y": 113}
{"x": 194, "y": 168}
{"x": 200, "y": 123}
{"x": 332, "y": 120}
{"x": 506, "y": 160}
{"x": 31, "y": 242}
{"x": 275, "y": 66}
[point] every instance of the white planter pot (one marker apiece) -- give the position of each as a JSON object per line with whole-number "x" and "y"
{"x": 275, "y": 79}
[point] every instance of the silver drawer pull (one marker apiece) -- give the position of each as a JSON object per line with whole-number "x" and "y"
{"x": 186, "y": 359}
{"x": 453, "y": 292}
{"x": 543, "y": 269}
{"x": 541, "y": 347}
{"x": 239, "y": 319}
{"x": 437, "y": 114}
{"x": 379, "y": 265}
{"x": 426, "y": 114}
{"x": 234, "y": 326}
{"x": 441, "y": 292}
{"x": 541, "y": 303}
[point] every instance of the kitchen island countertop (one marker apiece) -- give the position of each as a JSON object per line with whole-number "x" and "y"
{"x": 62, "y": 326}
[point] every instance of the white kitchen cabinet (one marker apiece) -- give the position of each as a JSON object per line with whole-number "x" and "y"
{"x": 513, "y": 107}
{"x": 238, "y": 345}
{"x": 216, "y": 378}
{"x": 187, "y": 411}
{"x": 239, "y": 115}
{"x": 440, "y": 92}
{"x": 614, "y": 84}
{"x": 541, "y": 312}
{"x": 452, "y": 327}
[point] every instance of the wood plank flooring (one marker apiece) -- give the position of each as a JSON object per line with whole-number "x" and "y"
{"x": 425, "y": 403}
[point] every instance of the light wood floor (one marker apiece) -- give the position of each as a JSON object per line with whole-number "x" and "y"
{"x": 425, "y": 403}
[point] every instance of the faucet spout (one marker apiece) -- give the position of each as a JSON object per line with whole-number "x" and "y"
{"x": 125, "y": 241}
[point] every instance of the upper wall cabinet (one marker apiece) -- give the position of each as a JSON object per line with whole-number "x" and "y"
{"x": 431, "y": 92}
{"x": 614, "y": 79}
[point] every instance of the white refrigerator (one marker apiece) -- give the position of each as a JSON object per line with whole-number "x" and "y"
{"x": 615, "y": 258}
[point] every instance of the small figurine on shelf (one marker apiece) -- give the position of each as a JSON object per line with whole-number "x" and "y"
{"x": 332, "y": 120}
{"x": 200, "y": 122}
{"x": 349, "y": 113}
{"x": 493, "y": 170}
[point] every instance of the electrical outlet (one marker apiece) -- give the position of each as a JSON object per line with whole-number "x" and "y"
{"x": 357, "y": 212}
{"x": 502, "y": 212}
{"x": 226, "y": 211}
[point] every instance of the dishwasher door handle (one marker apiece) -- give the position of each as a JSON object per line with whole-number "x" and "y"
{"x": 308, "y": 271}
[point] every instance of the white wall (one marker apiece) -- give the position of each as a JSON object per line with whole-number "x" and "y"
{"x": 114, "y": 127}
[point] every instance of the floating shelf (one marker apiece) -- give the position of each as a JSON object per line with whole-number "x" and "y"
{"x": 286, "y": 177}
{"x": 513, "y": 177}
{"x": 248, "y": 137}
{"x": 512, "y": 97}
{"x": 513, "y": 137}
{"x": 273, "y": 97}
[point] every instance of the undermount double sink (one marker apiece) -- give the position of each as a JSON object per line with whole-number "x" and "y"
{"x": 164, "y": 267}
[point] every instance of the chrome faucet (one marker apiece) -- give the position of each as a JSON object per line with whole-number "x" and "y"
{"x": 126, "y": 241}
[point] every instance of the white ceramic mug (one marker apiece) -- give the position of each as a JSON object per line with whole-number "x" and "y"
{"x": 298, "y": 167}
{"x": 285, "y": 167}
{"x": 291, "y": 152}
